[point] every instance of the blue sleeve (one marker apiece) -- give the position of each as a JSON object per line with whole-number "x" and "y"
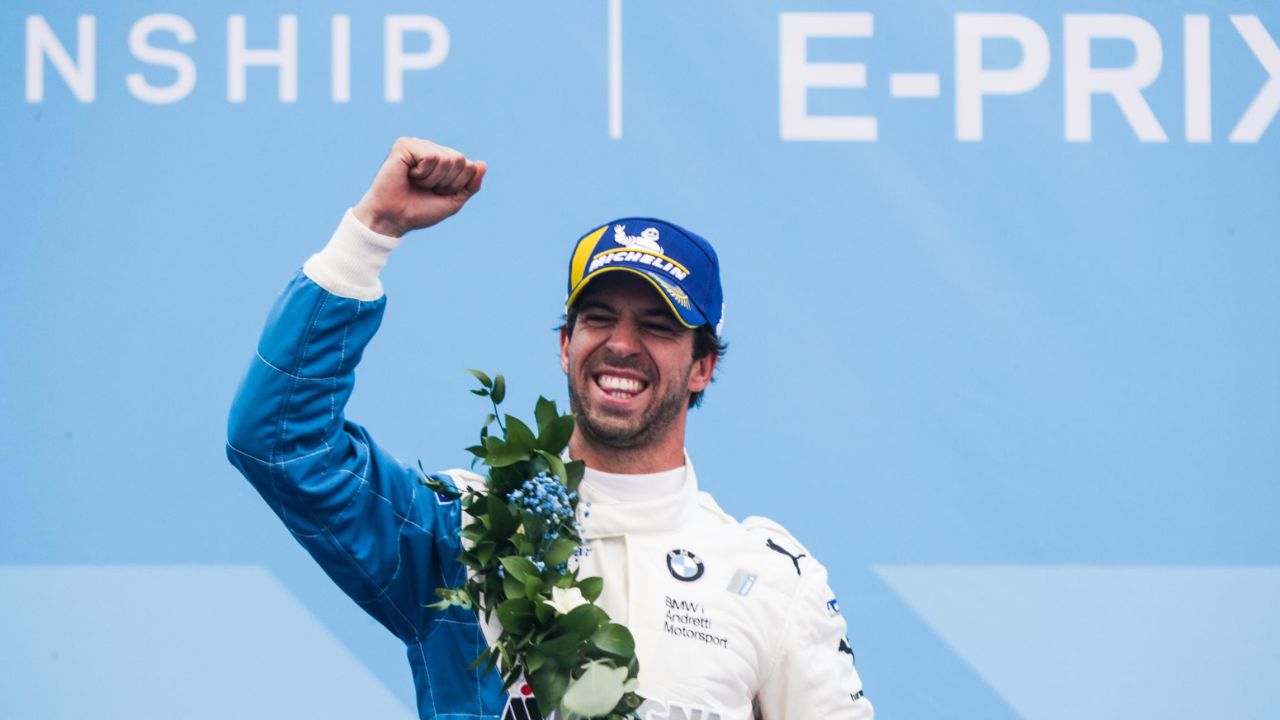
{"x": 384, "y": 538}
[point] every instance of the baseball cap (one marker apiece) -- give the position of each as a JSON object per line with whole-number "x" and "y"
{"x": 681, "y": 265}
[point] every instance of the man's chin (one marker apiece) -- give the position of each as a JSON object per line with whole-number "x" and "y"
{"x": 611, "y": 431}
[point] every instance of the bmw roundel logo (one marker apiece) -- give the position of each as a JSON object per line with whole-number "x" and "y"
{"x": 684, "y": 565}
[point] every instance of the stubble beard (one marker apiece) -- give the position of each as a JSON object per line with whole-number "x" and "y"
{"x": 621, "y": 434}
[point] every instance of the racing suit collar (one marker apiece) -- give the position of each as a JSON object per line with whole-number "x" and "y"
{"x": 603, "y": 516}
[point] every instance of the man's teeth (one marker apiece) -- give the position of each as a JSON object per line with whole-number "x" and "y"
{"x": 619, "y": 387}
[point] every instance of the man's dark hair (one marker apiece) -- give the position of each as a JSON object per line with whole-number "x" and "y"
{"x": 705, "y": 343}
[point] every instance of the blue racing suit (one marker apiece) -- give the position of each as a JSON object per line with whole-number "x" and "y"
{"x": 383, "y": 537}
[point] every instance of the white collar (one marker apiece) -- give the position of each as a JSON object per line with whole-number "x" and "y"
{"x": 653, "y": 502}
{"x": 633, "y": 488}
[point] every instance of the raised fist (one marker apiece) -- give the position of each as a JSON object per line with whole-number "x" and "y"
{"x": 418, "y": 185}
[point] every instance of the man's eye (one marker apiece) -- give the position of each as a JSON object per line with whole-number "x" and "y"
{"x": 596, "y": 319}
{"x": 663, "y": 328}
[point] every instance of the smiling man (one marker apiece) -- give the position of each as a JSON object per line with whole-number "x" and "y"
{"x": 732, "y": 620}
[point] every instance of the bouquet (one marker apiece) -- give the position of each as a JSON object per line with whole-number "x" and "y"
{"x": 521, "y": 538}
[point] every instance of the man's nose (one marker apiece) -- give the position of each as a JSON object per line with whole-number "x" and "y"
{"x": 624, "y": 339}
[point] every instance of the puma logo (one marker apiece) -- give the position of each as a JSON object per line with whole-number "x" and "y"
{"x": 846, "y": 648}
{"x": 778, "y": 548}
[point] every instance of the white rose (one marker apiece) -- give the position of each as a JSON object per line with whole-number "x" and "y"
{"x": 565, "y": 599}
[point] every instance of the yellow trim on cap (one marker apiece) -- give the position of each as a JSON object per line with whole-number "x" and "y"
{"x": 582, "y": 254}
{"x": 578, "y": 290}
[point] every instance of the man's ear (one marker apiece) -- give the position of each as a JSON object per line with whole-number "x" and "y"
{"x": 702, "y": 372}
{"x": 564, "y": 351}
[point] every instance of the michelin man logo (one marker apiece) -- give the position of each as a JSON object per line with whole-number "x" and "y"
{"x": 646, "y": 240}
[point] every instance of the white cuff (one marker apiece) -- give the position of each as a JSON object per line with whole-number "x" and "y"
{"x": 349, "y": 265}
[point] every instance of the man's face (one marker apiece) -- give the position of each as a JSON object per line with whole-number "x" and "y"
{"x": 630, "y": 364}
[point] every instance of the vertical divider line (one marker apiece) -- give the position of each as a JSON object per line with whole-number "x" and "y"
{"x": 615, "y": 69}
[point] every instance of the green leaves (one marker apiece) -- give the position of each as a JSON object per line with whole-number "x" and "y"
{"x": 561, "y": 550}
{"x": 519, "y": 436}
{"x": 483, "y": 378}
{"x": 520, "y": 568}
{"x": 615, "y": 640}
{"x": 555, "y": 436}
{"x": 502, "y": 522}
{"x": 516, "y": 615}
{"x": 582, "y": 621}
{"x": 591, "y": 587}
{"x": 549, "y": 684}
{"x": 501, "y": 454}
{"x": 544, "y": 412}
{"x": 518, "y": 547}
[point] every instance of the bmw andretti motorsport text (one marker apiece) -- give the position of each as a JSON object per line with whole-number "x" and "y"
{"x": 684, "y": 618}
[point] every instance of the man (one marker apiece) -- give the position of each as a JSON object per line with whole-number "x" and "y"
{"x": 731, "y": 620}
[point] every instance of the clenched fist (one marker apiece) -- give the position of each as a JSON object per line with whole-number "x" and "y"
{"x": 418, "y": 185}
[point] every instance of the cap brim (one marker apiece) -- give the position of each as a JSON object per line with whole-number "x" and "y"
{"x": 677, "y": 300}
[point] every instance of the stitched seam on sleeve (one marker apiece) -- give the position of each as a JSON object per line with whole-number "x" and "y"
{"x": 786, "y": 627}
{"x": 275, "y": 472}
{"x": 286, "y": 373}
{"x": 381, "y": 596}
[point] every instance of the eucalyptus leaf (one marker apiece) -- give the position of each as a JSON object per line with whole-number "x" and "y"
{"x": 596, "y": 692}
{"x": 582, "y": 620}
{"x": 499, "y": 389}
{"x": 615, "y": 640}
{"x": 591, "y": 587}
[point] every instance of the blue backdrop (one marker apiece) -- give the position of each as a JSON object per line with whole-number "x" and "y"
{"x": 1002, "y": 293}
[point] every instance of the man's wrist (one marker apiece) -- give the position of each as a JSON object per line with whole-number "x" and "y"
{"x": 349, "y": 265}
{"x": 376, "y": 222}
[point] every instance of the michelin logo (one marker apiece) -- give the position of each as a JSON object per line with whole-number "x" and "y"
{"x": 642, "y": 249}
{"x": 646, "y": 240}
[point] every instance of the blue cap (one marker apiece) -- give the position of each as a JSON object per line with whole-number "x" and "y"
{"x": 681, "y": 265}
